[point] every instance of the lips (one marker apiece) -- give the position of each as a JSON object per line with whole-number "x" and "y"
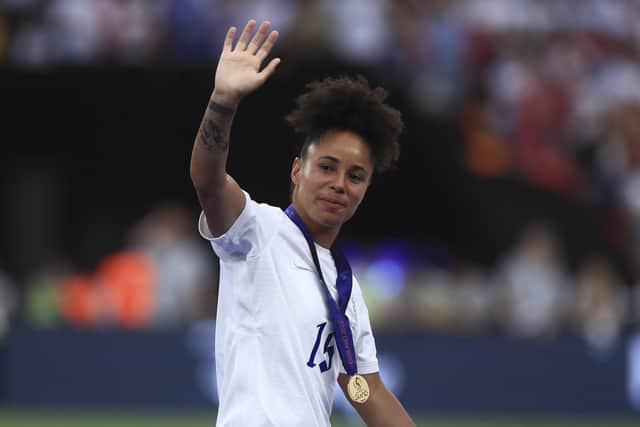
{"x": 333, "y": 203}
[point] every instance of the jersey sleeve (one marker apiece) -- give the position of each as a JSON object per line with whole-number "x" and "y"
{"x": 364, "y": 341}
{"x": 247, "y": 235}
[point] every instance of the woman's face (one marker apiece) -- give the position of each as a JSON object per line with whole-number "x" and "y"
{"x": 332, "y": 178}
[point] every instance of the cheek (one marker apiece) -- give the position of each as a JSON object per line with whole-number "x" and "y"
{"x": 313, "y": 180}
{"x": 358, "y": 195}
{"x": 306, "y": 187}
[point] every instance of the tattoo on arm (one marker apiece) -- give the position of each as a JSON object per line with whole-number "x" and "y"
{"x": 220, "y": 109}
{"x": 211, "y": 136}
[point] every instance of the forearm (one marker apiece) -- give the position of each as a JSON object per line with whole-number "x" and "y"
{"x": 382, "y": 409}
{"x": 211, "y": 146}
{"x": 385, "y": 410}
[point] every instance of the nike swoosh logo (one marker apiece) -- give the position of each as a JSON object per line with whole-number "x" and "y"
{"x": 301, "y": 267}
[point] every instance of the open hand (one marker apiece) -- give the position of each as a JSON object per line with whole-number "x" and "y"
{"x": 238, "y": 70}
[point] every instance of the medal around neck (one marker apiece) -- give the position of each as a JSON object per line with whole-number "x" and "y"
{"x": 358, "y": 389}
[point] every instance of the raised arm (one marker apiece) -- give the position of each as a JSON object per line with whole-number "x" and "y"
{"x": 237, "y": 75}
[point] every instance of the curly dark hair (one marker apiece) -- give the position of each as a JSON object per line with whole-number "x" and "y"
{"x": 348, "y": 103}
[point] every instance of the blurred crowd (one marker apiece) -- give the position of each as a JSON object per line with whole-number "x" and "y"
{"x": 166, "y": 278}
{"x": 529, "y": 294}
{"x": 546, "y": 92}
{"x": 163, "y": 277}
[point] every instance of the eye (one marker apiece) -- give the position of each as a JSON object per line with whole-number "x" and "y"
{"x": 325, "y": 167}
{"x": 357, "y": 177}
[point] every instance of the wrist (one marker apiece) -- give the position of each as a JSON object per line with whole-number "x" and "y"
{"x": 225, "y": 99}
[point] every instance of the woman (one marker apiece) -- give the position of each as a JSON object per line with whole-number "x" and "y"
{"x": 289, "y": 308}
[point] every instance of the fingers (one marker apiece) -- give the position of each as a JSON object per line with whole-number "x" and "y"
{"x": 259, "y": 37}
{"x": 267, "y": 45}
{"x": 228, "y": 40}
{"x": 256, "y": 47}
{"x": 244, "y": 37}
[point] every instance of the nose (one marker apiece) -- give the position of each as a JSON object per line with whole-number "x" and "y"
{"x": 338, "y": 183}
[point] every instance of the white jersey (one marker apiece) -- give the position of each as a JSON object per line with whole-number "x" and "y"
{"x": 277, "y": 361}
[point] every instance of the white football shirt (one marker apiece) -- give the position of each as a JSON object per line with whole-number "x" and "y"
{"x": 277, "y": 362}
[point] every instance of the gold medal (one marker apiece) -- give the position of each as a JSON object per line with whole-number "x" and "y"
{"x": 358, "y": 388}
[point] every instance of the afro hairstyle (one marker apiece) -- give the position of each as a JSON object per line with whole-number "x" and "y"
{"x": 350, "y": 104}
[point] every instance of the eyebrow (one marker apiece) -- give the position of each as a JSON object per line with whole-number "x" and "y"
{"x": 335, "y": 160}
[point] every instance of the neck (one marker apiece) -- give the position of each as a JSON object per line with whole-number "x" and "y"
{"x": 322, "y": 235}
{"x": 325, "y": 237}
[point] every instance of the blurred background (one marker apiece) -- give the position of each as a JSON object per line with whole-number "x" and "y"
{"x": 500, "y": 261}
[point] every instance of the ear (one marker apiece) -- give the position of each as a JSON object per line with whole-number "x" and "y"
{"x": 295, "y": 170}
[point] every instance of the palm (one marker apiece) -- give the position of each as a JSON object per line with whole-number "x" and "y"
{"x": 238, "y": 70}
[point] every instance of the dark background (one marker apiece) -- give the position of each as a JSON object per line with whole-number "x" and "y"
{"x": 96, "y": 148}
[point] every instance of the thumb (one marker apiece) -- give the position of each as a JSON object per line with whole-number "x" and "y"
{"x": 269, "y": 69}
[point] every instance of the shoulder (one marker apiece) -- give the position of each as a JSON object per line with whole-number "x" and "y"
{"x": 250, "y": 232}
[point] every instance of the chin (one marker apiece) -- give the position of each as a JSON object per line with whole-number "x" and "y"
{"x": 331, "y": 219}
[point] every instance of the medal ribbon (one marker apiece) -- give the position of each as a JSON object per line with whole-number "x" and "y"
{"x": 344, "y": 283}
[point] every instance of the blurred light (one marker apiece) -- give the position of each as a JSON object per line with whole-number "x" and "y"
{"x": 386, "y": 277}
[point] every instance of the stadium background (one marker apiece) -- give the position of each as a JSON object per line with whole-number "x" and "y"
{"x": 499, "y": 261}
